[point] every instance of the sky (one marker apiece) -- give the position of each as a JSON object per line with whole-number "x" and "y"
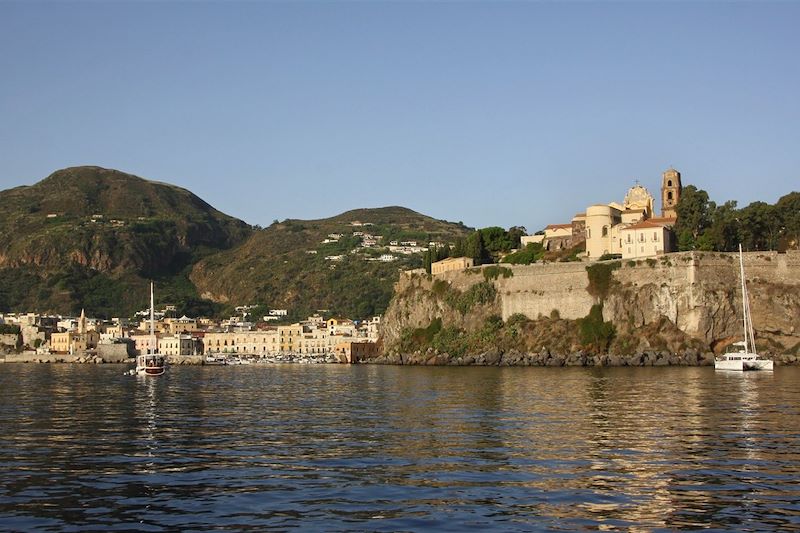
{"x": 489, "y": 113}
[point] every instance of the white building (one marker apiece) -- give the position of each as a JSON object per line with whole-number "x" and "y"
{"x": 647, "y": 238}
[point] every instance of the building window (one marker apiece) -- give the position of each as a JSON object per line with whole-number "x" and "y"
{"x": 641, "y": 237}
{"x": 655, "y": 236}
{"x": 669, "y": 195}
{"x": 669, "y": 184}
{"x": 588, "y": 233}
{"x": 629, "y": 239}
{"x": 605, "y": 231}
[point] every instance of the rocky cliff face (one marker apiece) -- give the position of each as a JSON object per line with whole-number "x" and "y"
{"x": 678, "y": 302}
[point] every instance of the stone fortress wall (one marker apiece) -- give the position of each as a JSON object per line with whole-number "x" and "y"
{"x": 685, "y": 287}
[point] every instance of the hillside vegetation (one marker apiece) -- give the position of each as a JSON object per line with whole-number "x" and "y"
{"x": 91, "y": 237}
{"x": 287, "y": 265}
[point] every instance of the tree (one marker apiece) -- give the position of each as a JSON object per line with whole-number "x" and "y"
{"x": 495, "y": 239}
{"x": 759, "y": 226}
{"x": 724, "y": 230}
{"x": 428, "y": 259}
{"x": 694, "y": 216}
{"x": 787, "y": 210}
{"x": 515, "y": 234}
{"x": 476, "y": 249}
{"x": 459, "y": 248}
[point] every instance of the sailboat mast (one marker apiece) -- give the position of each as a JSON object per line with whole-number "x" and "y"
{"x": 152, "y": 321}
{"x": 744, "y": 301}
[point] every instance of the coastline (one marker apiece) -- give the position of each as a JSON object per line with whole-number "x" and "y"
{"x": 431, "y": 358}
{"x": 580, "y": 358}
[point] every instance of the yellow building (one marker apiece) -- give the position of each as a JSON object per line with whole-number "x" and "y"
{"x": 73, "y": 342}
{"x": 451, "y": 263}
{"x": 257, "y": 342}
{"x": 289, "y": 337}
{"x": 605, "y": 223}
{"x": 179, "y": 325}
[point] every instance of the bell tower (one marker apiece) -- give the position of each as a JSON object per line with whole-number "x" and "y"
{"x": 670, "y": 193}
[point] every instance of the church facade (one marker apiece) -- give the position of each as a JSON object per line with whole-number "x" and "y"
{"x": 630, "y": 229}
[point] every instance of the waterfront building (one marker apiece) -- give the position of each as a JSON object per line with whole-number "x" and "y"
{"x": 255, "y": 342}
{"x": 75, "y": 341}
{"x": 289, "y": 337}
{"x": 341, "y": 326}
{"x": 314, "y": 340}
{"x": 176, "y": 345}
{"x": 353, "y": 352}
{"x": 143, "y": 343}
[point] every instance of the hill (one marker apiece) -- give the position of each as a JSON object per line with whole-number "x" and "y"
{"x": 90, "y": 237}
{"x": 289, "y": 264}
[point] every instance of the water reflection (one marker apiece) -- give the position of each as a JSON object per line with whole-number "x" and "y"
{"x": 384, "y": 448}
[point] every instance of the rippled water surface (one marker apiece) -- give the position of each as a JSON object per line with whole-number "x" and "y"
{"x": 398, "y": 448}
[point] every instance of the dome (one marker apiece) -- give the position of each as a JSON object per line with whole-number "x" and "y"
{"x": 638, "y": 198}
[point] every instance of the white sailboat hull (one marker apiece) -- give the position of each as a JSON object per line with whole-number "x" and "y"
{"x": 742, "y": 363}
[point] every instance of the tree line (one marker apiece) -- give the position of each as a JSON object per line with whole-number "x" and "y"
{"x": 484, "y": 246}
{"x": 704, "y": 225}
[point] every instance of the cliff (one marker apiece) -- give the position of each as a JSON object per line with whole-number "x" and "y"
{"x": 678, "y": 303}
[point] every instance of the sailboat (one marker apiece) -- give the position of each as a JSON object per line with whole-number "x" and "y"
{"x": 744, "y": 356}
{"x": 151, "y": 364}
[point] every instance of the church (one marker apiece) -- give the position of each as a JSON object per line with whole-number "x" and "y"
{"x": 630, "y": 230}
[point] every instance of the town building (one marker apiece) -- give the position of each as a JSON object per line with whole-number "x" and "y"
{"x": 450, "y": 264}
{"x": 75, "y": 341}
{"x": 176, "y": 345}
{"x": 648, "y": 238}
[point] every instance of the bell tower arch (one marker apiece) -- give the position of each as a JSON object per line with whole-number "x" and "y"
{"x": 670, "y": 193}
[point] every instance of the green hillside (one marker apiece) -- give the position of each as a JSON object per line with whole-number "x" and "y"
{"x": 286, "y": 265}
{"x": 91, "y": 237}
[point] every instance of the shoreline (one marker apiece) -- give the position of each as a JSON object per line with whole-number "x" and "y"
{"x": 576, "y": 359}
{"x": 511, "y": 358}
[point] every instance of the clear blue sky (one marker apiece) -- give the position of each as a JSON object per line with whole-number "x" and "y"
{"x": 492, "y": 113}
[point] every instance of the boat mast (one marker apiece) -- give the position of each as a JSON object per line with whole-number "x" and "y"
{"x": 152, "y": 322}
{"x": 744, "y": 301}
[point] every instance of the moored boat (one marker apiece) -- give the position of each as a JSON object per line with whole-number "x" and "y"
{"x": 152, "y": 363}
{"x": 744, "y": 357}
